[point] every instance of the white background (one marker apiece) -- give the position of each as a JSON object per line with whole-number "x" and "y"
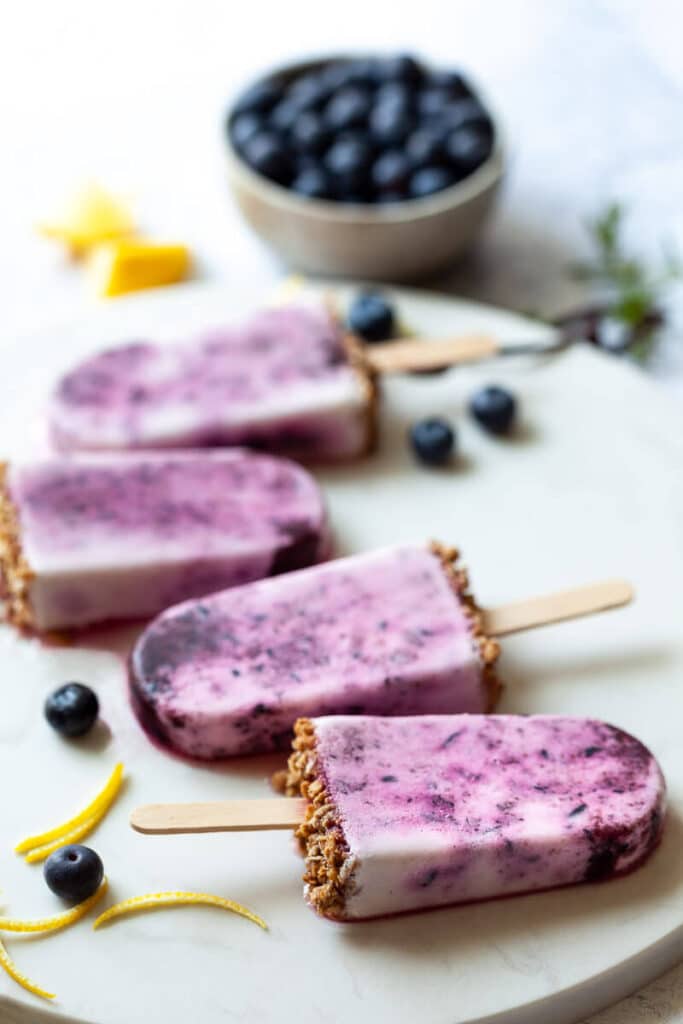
{"x": 132, "y": 93}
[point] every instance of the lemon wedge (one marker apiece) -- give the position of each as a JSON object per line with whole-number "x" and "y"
{"x": 90, "y": 217}
{"x": 156, "y": 900}
{"x": 130, "y": 265}
{"x": 56, "y": 923}
{"x": 8, "y": 964}
{"x": 39, "y": 847}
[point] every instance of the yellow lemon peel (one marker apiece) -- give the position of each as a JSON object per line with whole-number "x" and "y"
{"x": 44, "y": 843}
{"x": 8, "y": 964}
{"x": 155, "y": 900}
{"x": 53, "y": 924}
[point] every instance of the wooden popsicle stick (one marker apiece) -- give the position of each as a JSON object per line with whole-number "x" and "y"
{"x": 221, "y": 816}
{"x": 567, "y": 604}
{"x": 408, "y": 354}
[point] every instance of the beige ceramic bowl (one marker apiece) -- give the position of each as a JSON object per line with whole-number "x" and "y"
{"x": 397, "y": 242}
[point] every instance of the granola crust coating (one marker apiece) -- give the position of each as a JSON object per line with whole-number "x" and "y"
{"x": 15, "y": 572}
{"x": 489, "y": 649}
{"x": 328, "y": 864}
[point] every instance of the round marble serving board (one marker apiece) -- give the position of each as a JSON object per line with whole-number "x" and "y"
{"x": 590, "y": 487}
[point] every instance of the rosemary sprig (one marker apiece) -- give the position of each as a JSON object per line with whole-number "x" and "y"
{"x": 633, "y": 292}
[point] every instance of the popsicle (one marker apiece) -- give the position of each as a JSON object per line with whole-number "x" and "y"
{"x": 403, "y": 814}
{"x": 392, "y": 632}
{"x": 291, "y": 380}
{"x": 102, "y": 537}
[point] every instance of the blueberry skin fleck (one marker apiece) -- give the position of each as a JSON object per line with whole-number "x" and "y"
{"x": 494, "y": 408}
{"x": 74, "y": 873}
{"x": 372, "y": 317}
{"x": 72, "y": 710}
{"x": 433, "y": 441}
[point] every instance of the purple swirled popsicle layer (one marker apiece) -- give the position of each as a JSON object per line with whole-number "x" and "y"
{"x": 103, "y": 537}
{"x": 391, "y": 632}
{"x": 410, "y": 813}
{"x": 287, "y": 381}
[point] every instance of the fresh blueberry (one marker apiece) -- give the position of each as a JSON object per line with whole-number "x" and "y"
{"x": 260, "y": 99}
{"x": 429, "y": 180}
{"x": 403, "y": 68}
{"x": 494, "y": 408}
{"x": 425, "y": 148}
{"x": 310, "y": 134}
{"x": 244, "y": 126}
{"x": 267, "y": 154}
{"x": 433, "y": 441}
{"x": 348, "y": 162}
{"x": 432, "y": 102}
{"x": 391, "y": 171}
{"x": 74, "y": 873}
{"x": 72, "y": 710}
{"x": 361, "y": 72}
{"x": 283, "y": 116}
{"x": 309, "y": 92}
{"x": 467, "y": 148}
{"x": 394, "y": 93}
{"x": 348, "y": 108}
{"x": 613, "y": 335}
{"x": 372, "y": 317}
{"x": 465, "y": 112}
{"x": 391, "y": 123}
{"x": 452, "y": 82}
{"x": 313, "y": 183}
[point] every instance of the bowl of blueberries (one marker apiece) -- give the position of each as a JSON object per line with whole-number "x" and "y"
{"x": 374, "y": 167}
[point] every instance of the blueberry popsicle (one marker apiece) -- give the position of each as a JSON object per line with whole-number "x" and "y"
{"x": 410, "y": 813}
{"x": 404, "y": 814}
{"x": 289, "y": 380}
{"x": 390, "y": 632}
{"x": 102, "y": 537}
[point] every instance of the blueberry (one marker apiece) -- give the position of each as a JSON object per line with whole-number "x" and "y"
{"x": 467, "y": 148}
{"x": 465, "y": 112}
{"x": 309, "y": 133}
{"x": 283, "y": 116}
{"x": 429, "y": 180}
{"x": 266, "y": 153}
{"x": 383, "y": 198}
{"x": 394, "y": 93}
{"x": 309, "y": 92}
{"x": 402, "y": 68}
{"x": 391, "y": 171}
{"x": 259, "y": 99}
{"x": 494, "y": 408}
{"x": 348, "y": 108}
{"x": 74, "y": 873}
{"x": 432, "y": 102}
{"x": 391, "y": 123}
{"x": 424, "y": 148}
{"x": 313, "y": 183}
{"x": 348, "y": 162}
{"x": 613, "y": 334}
{"x": 244, "y": 126}
{"x": 371, "y": 317}
{"x": 451, "y": 82}
{"x": 433, "y": 441}
{"x": 72, "y": 710}
{"x": 361, "y": 72}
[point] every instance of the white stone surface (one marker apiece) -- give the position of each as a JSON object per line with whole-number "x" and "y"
{"x": 132, "y": 95}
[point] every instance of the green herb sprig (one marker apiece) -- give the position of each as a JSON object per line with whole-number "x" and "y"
{"x": 633, "y": 291}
